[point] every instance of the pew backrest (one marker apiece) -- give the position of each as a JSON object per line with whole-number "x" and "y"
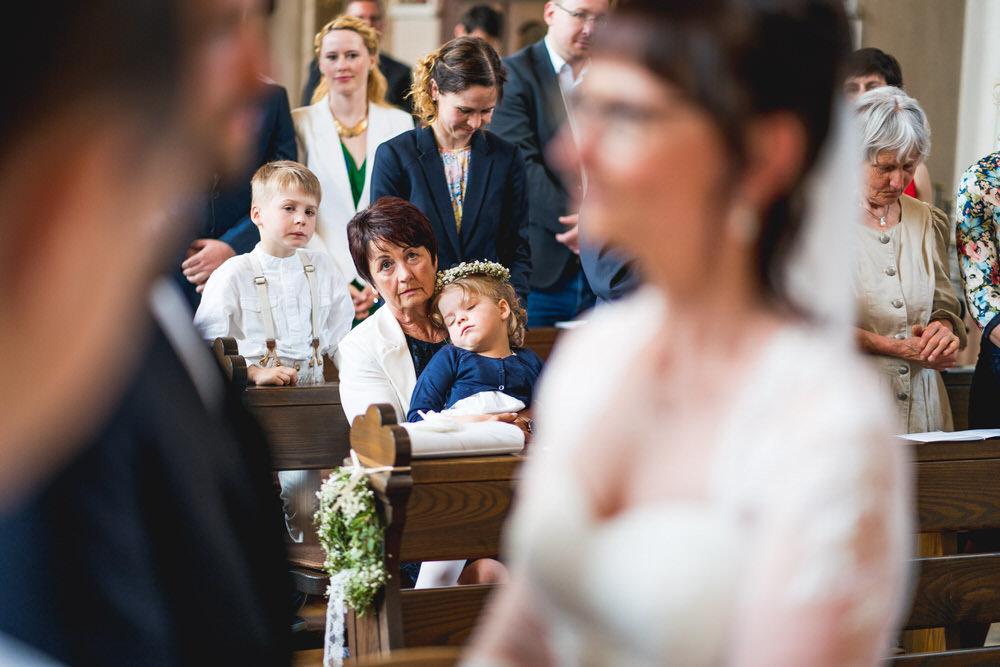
{"x": 957, "y": 489}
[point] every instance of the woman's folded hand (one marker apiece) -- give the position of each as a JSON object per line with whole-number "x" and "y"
{"x": 938, "y": 344}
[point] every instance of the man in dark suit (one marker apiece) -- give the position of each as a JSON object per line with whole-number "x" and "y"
{"x": 531, "y": 113}
{"x": 160, "y": 543}
{"x": 225, "y": 226}
{"x": 153, "y": 534}
{"x": 397, "y": 75}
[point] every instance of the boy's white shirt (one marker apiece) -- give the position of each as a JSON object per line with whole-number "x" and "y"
{"x": 230, "y": 305}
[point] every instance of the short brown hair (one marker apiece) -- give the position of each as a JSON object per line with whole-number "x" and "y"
{"x": 491, "y": 288}
{"x": 281, "y": 175}
{"x": 391, "y": 220}
{"x": 456, "y": 66}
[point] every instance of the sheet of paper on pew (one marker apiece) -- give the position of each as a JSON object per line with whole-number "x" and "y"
{"x": 439, "y": 435}
{"x": 570, "y": 324}
{"x": 942, "y": 436}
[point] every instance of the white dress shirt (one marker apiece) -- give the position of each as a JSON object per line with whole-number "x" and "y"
{"x": 564, "y": 72}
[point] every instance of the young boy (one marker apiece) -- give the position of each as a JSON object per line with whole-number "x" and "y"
{"x": 306, "y": 307}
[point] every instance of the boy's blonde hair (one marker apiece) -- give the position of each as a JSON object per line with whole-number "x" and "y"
{"x": 377, "y": 85}
{"x": 275, "y": 177}
{"x": 492, "y": 288}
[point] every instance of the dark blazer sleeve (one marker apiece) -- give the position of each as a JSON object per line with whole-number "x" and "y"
{"x": 312, "y": 80}
{"x": 399, "y": 77}
{"x": 389, "y": 179}
{"x": 281, "y": 140}
{"x": 434, "y": 384}
{"x": 242, "y": 236}
{"x": 276, "y": 141}
{"x": 610, "y": 273}
{"x": 515, "y": 252}
{"x": 517, "y": 119}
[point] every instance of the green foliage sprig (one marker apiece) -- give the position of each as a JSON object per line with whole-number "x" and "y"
{"x": 352, "y": 536}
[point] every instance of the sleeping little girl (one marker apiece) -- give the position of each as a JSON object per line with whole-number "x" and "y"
{"x": 482, "y": 372}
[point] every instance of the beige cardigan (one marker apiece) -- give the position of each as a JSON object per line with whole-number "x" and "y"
{"x": 902, "y": 279}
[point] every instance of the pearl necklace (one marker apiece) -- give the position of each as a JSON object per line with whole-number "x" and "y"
{"x": 349, "y": 132}
{"x": 881, "y": 219}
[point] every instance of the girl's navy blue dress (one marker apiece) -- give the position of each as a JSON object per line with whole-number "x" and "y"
{"x": 454, "y": 374}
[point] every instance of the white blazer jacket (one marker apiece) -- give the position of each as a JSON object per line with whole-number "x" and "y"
{"x": 375, "y": 366}
{"x": 320, "y": 150}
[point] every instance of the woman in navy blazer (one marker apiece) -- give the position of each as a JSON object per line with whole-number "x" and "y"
{"x": 468, "y": 182}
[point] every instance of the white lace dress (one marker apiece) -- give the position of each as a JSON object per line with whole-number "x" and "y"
{"x": 805, "y": 516}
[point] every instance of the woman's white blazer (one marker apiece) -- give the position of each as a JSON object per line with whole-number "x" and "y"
{"x": 320, "y": 150}
{"x": 375, "y": 366}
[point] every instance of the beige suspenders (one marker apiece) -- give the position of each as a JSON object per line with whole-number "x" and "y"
{"x": 270, "y": 358}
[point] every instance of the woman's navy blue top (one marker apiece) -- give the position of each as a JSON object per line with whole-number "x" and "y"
{"x": 454, "y": 374}
{"x": 422, "y": 351}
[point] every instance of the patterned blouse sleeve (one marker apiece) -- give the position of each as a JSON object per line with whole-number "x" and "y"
{"x": 946, "y": 305}
{"x": 976, "y": 232}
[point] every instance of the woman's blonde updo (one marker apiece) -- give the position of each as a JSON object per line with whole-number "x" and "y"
{"x": 377, "y": 84}
{"x": 456, "y": 66}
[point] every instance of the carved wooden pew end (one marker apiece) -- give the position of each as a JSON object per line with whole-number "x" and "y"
{"x": 435, "y": 509}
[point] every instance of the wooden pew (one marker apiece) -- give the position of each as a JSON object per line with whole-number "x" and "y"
{"x": 440, "y": 509}
{"x": 541, "y": 340}
{"x": 435, "y": 509}
{"x": 305, "y": 426}
{"x": 436, "y": 656}
{"x": 957, "y": 489}
{"x": 957, "y": 382}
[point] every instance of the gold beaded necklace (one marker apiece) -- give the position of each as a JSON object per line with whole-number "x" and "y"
{"x": 349, "y": 132}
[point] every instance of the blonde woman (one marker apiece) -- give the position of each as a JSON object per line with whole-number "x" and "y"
{"x": 469, "y": 182}
{"x": 337, "y": 136}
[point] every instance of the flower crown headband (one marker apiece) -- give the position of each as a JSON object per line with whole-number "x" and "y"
{"x": 478, "y": 267}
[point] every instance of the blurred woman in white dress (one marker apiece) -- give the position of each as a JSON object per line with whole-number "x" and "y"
{"x": 714, "y": 479}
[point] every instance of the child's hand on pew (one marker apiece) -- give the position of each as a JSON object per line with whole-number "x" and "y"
{"x": 277, "y": 376}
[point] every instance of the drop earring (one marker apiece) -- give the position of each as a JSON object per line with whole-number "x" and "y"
{"x": 743, "y": 224}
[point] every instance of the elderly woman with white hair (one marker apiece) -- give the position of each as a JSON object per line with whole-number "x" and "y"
{"x": 908, "y": 318}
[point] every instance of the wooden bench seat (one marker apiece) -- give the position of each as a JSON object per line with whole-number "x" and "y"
{"x": 957, "y": 490}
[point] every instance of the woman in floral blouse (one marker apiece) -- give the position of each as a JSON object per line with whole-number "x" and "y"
{"x": 977, "y": 217}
